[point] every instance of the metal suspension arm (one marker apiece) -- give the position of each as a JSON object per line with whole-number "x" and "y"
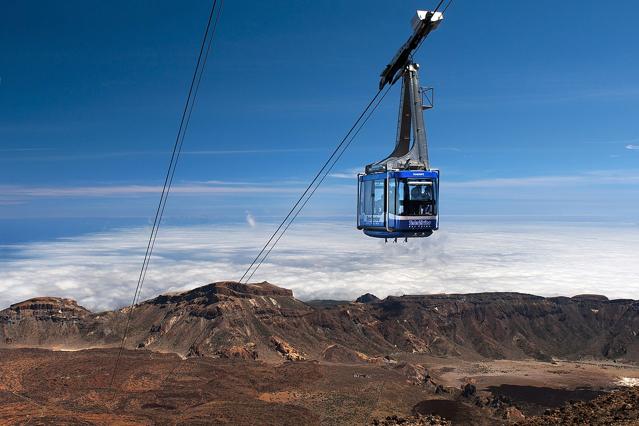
{"x": 410, "y": 120}
{"x": 406, "y": 156}
{"x": 423, "y": 23}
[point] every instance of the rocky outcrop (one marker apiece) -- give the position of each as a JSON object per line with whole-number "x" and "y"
{"x": 367, "y": 298}
{"x": 286, "y": 350}
{"x": 511, "y": 325}
{"x": 238, "y": 352}
{"x": 416, "y": 420}
{"x": 224, "y": 319}
{"x": 214, "y": 292}
{"x": 42, "y": 321}
{"x": 53, "y": 309}
{"x": 616, "y": 408}
{"x": 342, "y": 354}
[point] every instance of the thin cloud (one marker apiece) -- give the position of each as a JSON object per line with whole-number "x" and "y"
{"x": 139, "y": 190}
{"x": 56, "y": 156}
{"x": 23, "y": 149}
{"x": 450, "y": 148}
{"x": 251, "y": 151}
{"x": 613, "y": 141}
{"x": 213, "y": 187}
{"x": 607, "y": 177}
{"x": 526, "y": 99}
{"x": 346, "y": 174}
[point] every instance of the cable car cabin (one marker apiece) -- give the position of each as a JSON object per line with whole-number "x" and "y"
{"x": 398, "y": 204}
{"x": 397, "y": 197}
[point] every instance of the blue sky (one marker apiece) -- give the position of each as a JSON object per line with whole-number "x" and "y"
{"x": 535, "y": 117}
{"x": 92, "y": 93}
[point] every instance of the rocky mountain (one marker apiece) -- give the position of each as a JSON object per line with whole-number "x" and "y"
{"x": 263, "y": 321}
{"x": 367, "y": 298}
{"x": 42, "y": 321}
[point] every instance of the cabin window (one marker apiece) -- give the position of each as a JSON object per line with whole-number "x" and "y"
{"x": 415, "y": 197}
{"x": 366, "y": 200}
{"x": 378, "y": 198}
{"x": 372, "y": 201}
{"x": 392, "y": 184}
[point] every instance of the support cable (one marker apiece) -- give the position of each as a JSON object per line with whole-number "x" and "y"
{"x": 186, "y": 124}
{"x": 168, "y": 180}
{"x": 436, "y": 9}
{"x": 310, "y": 185}
{"x": 319, "y": 183}
{"x": 447, "y": 6}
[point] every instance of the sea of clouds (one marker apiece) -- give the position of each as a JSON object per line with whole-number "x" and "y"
{"x": 331, "y": 260}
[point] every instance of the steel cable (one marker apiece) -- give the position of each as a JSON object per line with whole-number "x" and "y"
{"x": 319, "y": 183}
{"x": 168, "y": 180}
{"x": 310, "y": 185}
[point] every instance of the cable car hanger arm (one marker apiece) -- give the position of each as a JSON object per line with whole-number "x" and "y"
{"x": 423, "y": 23}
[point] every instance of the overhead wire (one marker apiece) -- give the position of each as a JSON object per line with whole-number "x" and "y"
{"x": 448, "y": 5}
{"x": 436, "y": 9}
{"x": 188, "y": 120}
{"x": 438, "y": 6}
{"x": 320, "y": 182}
{"x": 205, "y": 47}
{"x": 310, "y": 185}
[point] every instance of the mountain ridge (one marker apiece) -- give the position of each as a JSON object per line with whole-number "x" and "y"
{"x": 266, "y": 322}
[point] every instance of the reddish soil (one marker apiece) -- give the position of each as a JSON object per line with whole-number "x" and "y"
{"x": 44, "y": 387}
{"x": 53, "y": 387}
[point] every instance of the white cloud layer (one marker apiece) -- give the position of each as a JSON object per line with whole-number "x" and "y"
{"x": 331, "y": 261}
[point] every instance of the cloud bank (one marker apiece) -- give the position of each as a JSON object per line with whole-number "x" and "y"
{"x": 330, "y": 261}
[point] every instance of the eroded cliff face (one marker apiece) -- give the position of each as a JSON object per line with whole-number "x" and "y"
{"x": 510, "y": 325}
{"x": 263, "y": 321}
{"x": 42, "y": 321}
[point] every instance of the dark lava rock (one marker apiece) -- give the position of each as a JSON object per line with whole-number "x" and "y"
{"x": 469, "y": 390}
{"x": 417, "y": 420}
{"x": 616, "y": 408}
{"x": 367, "y": 298}
{"x": 589, "y": 298}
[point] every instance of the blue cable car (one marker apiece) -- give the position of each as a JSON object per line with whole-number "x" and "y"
{"x": 398, "y": 204}
{"x": 398, "y": 196}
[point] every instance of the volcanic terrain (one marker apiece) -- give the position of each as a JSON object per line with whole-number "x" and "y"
{"x": 254, "y": 354}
